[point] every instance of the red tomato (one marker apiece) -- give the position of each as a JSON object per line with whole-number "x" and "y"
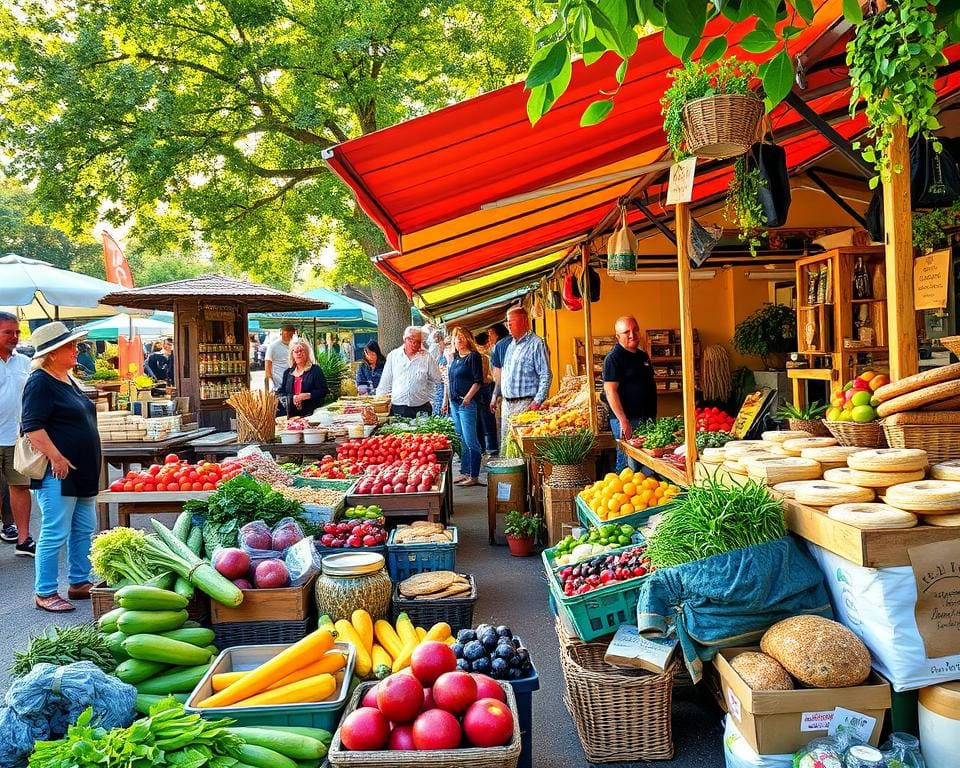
{"x": 197, "y": 486}
{"x": 208, "y": 487}
{"x": 185, "y": 486}
{"x": 116, "y": 486}
{"x": 128, "y": 487}
{"x": 171, "y": 458}
{"x": 154, "y": 469}
{"x": 149, "y": 487}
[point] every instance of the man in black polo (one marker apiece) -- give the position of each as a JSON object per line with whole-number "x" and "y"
{"x": 628, "y": 384}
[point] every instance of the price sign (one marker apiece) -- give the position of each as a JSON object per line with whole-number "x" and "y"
{"x": 681, "y": 181}
{"x": 930, "y": 276}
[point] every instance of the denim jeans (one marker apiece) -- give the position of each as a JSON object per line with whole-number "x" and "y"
{"x": 69, "y": 520}
{"x": 487, "y": 422}
{"x": 622, "y": 459}
{"x": 465, "y": 421}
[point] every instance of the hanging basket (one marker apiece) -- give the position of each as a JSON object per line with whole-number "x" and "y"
{"x": 721, "y": 126}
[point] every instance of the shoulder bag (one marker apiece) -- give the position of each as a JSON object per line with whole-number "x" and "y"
{"x": 27, "y": 460}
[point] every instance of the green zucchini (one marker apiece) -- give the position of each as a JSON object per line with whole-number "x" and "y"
{"x": 146, "y": 700}
{"x": 176, "y": 680}
{"x": 181, "y": 528}
{"x": 199, "y": 636}
{"x": 190, "y": 624}
{"x": 214, "y": 651}
{"x": 292, "y": 745}
{"x": 263, "y": 757}
{"x": 115, "y": 642}
{"x": 319, "y": 734}
{"x": 140, "y": 622}
{"x": 150, "y": 599}
{"x": 135, "y": 671}
{"x": 108, "y": 622}
{"x": 149, "y": 647}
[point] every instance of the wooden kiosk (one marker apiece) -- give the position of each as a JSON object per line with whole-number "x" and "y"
{"x": 210, "y": 334}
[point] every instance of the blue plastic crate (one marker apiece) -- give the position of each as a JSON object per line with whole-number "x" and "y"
{"x": 404, "y": 560}
{"x": 523, "y": 689}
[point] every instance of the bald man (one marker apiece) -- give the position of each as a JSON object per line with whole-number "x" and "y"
{"x": 628, "y": 384}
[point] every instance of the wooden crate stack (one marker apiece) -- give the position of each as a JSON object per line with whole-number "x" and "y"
{"x": 121, "y": 427}
{"x": 560, "y": 508}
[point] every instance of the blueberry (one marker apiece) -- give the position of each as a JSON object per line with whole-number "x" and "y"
{"x": 498, "y": 669}
{"x": 504, "y": 651}
{"x": 463, "y": 665}
{"x": 514, "y": 674}
{"x": 458, "y": 649}
{"x": 504, "y": 631}
{"x": 474, "y": 650}
{"x": 481, "y": 665}
{"x": 464, "y": 636}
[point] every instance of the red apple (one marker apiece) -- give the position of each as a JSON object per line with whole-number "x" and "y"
{"x": 488, "y": 688}
{"x": 365, "y": 729}
{"x": 401, "y": 738}
{"x": 400, "y": 697}
{"x": 454, "y": 691}
{"x": 436, "y": 729}
{"x": 432, "y": 659}
{"x": 370, "y": 697}
{"x": 428, "y": 702}
{"x": 488, "y": 723}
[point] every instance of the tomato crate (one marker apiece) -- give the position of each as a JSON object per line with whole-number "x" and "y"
{"x": 601, "y": 611}
{"x": 588, "y": 517}
{"x": 405, "y": 560}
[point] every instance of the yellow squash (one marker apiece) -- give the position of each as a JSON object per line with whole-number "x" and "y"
{"x": 346, "y": 632}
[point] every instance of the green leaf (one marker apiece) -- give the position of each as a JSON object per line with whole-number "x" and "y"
{"x": 735, "y": 10}
{"x": 679, "y": 46}
{"x": 760, "y": 40}
{"x": 622, "y": 72}
{"x": 852, "y": 11}
{"x": 805, "y": 9}
{"x": 597, "y": 112}
{"x": 778, "y": 79}
{"x": 685, "y": 17}
{"x": 608, "y": 33}
{"x": 763, "y": 9}
{"x": 547, "y": 64}
{"x": 593, "y": 51}
{"x": 714, "y": 50}
{"x": 648, "y": 12}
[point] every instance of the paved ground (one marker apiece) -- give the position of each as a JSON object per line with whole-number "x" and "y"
{"x": 512, "y": 591}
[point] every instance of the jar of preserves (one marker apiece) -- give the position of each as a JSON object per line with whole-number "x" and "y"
{"x": 352, "y": 580}
{"x": 864, "y": 756}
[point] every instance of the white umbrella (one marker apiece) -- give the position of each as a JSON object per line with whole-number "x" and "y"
{"x": 37, "y": 290}
{"x": 110, "y": 327}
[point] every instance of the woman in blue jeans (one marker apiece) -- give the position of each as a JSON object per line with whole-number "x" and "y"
{"x": 61, "y": 423}
{"x": 464, "y": 377}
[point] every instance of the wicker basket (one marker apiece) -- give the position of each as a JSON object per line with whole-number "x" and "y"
{"x": 602, "y": 699}
{"x": 101, "y": 602}
{"x": 940, "y": 441}
{"x": 456, "y": 611}
{"x": 261, "y": 632}
{"x": 952, "y": 344}
{"x": 467, "y": 757}
{"x": 815, "y": 427}
{"x": 869, "y": 435}
{"x": 721, "y": 126}
{"x": 567, "y": 476}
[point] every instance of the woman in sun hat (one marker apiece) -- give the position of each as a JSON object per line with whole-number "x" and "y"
{"x": 61, "y": 423}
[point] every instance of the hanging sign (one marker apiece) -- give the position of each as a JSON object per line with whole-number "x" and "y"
{"x": 930, "y": 277}
{"x": 681, "y": 181}
{"x": 219, "y": 312}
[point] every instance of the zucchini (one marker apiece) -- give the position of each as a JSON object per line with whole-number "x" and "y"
{"x": 292, "y": 745}
{"x": 135, "y": 671}
{"x": 140, "y": 622}
{"x": 176, "y": 680}
{"x": 108, "y": 622}
{"x": 214, "y": 651}
{"x": 150, "y": 599}
{"x": 146, "y": 700}
{"x": 191, "y": 624}
{"x": 263, "y": 757}
{"x": 181, "y": 528}
{"x": 199, "y": 636}
{"x": 183, "y": 588}
{"x": 115, "y": 643}
{"x": 319, "y": 734}
{"x": 157, "y": 648}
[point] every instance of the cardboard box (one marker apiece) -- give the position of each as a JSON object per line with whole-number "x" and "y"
{"x": 631, "y": 649}
{"x": 780, "y": 722}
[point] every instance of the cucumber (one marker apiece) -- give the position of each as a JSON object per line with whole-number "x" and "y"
{"x": 135, "y": 671}
{"x": 176, "y": 680}
{"x": 140, "y": 622}
{"x": 193, "y": 538}
{"x": 190, "y": 624}
{"x": 108, "y": 622}
{"x": 199, "y": 636}
{"x": 149, "y": 647}
{"x": 115, "y": 642}
{"x": 150, "y": 599}
{"x": 319, "y": 734}
{"x": 183, "y": 588}
{"x": 292, "y": 745}
{"x": 146, "y": 700}
{"x": 214, "y": 651}
{"x": 163, "y": 581}
{"x": 263, "y": 757}
{"x": 181, "y": 528}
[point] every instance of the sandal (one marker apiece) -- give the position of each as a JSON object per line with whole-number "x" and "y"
{"x": 54, "y": 604}
{"x": 80, "y": 591}
{"x": 471, "y": 482}
{"x": 461, "y": 478}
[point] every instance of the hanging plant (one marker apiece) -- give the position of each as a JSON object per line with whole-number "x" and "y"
{"x": 893, "y": 64}
{"x": 743, "y": 206}
{"x": 929, "y": 229}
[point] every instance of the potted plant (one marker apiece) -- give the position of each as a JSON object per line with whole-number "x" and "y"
{"x": 769, "y": 333}
{"x": 335, "y": 370}
{"x": 521, "y": 530}
{"x": 806, "y": 418}
{"x": 566, "y": 454}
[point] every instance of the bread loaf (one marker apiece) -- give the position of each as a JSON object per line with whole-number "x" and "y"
{"x": 818, "y": 652}
{"x": 761, "y": 672}
{"x": 917, "y": 381}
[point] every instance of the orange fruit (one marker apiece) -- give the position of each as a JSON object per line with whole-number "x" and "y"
{"x": 629, "y": 489}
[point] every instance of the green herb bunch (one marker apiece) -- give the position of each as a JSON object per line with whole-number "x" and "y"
{"x": 661, "y": 432}
{"x": 518, "y": 524}
{"x": 743, "y": 206}
{"x": 771, "y": 329}
{"x": 808, "y": 412}
{"x": 713, "y": 439}
{"x": 566, "y": 449}
{"x": 64, "y": 645}
{"x": 929, "y": 229}
{"x": 712, "y": 518}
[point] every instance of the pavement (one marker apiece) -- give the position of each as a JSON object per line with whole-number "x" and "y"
{"x": 511, "y": 591}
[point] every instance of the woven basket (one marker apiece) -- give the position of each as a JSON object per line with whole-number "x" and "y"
{"x": 815, "y": 427}
{"x": 456, "y": 611}
{"x": 869, "y": 435}
{"x": 261, "y": 632}
{"x": 721, "y": 126}
{"x": 567, "y": 476}
{"x": 603, "y": 699}
{"x": 952, "y": 344}
{"x": 940, "y": 441}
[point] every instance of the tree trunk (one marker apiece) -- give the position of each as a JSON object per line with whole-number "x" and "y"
{"x": 393, "y": 313}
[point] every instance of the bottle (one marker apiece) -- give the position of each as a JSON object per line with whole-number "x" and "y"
{"x": 862, "y": 288}
{"x": 864, "y": 756}
{"x": 903, "y": 751}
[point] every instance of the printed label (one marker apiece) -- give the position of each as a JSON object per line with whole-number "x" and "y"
{"x": 815, "y": 721}
{"x": 503, "y": 491}
{"x": 852, "y": 723}
{"x": 733, "y": 705}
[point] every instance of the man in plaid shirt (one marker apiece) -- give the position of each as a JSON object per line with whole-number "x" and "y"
{"x": 525, "y": 377}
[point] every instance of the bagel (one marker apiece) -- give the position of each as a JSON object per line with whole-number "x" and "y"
{"x": 737, "y": 447}
{"x": 928, "y": 496}
{"x": 917, "y": 381}
{"x": 786, "y": 489}
{"x": 870, "y": 516}
{"x": 712, "y": 455}
{"x": 830, "y": 454}
{"x": 838, "y": 475}
{"x": 823, "y": 493}
{"x": 888, "y": 459}
{"x": 950, "y": 520}
{"x": 797, "y": 446}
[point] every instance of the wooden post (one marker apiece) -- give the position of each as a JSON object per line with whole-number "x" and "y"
{"x": 901, "y": 315}
{"x": 688, "y": 372}
{"x": 588, "y": 337}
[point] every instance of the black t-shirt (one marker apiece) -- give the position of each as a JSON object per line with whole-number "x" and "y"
{"x": 70, "y": 420}
{"x": 160, "y": 366}
{"x": 634, "y": 374}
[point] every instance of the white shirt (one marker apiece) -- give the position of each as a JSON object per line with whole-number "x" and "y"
{"x": 279, "y": 354}
{"x": 13, "y": 377}
{"x": 410, "y": 381}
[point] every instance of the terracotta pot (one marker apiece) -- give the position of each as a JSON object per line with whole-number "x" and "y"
{"x": 520, "y": 546}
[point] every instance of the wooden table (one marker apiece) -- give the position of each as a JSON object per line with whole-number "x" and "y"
{"x": 666, "y": 469}
{"x": 125, "y": 455}
{"x": 152, "y": 503}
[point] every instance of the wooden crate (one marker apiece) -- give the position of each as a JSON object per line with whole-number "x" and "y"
{"x": 559, "y": 508}
{"x": 285, "y": 604}
{"x": 425, "y": 504}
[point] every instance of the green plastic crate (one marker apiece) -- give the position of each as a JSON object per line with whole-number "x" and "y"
{"x": 601, "y": 611}
{"x": 588, "y": 518}
{"x": 322, "y": 482}
{"x": 549, "y": 555}
{"x": 323, "y": 714}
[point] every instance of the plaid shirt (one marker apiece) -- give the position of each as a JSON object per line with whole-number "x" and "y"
{"x": 526, "y": 369}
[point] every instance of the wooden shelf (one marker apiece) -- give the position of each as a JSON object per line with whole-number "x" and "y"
{"x": 867, "y": 301}
{"x": 674, "y": 359}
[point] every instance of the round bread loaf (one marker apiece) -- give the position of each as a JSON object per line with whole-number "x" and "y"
{"x": 761, "y": 672}
{"x": 818, "y": 652}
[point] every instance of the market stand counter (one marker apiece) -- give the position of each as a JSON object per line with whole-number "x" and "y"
{"x": 665, "y": 469}
{"x": 298, "y": 452}
{"x": 148, "y": 503}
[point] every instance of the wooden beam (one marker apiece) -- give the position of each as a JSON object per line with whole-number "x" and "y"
{"x": 828, "y": 132}
{"x": 654, "y": 219}
{"x": 687, "y": 371}
{"x": 588, "y": 337}
{"x": 815, "y": 178}
{"x": 901, "y": 315}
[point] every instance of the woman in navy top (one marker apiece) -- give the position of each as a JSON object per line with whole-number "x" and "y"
{"x": 304, "y": 386}
{"x": 464, "y": 377}
{"x": 370, "y": 370}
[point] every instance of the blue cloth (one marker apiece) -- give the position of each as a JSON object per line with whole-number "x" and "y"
{"x": 526, "y": 370}
{"x": 622, "y": 459}
{"x": 369, "y": 376}
{"x": 69, "y": 520}
{"x": 499, "y": 350}
{"x": 465, "y": 421}
{"x": 732, "y": 598}
{"x": 464, "y": 371}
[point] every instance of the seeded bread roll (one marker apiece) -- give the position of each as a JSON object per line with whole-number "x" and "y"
{"x": 818, "y": 652}
{"x": 761, "y": 672}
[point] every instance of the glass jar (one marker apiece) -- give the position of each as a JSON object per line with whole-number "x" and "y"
{"x": 864, "y": 756}
{"x": 352, "y": 580}
{"x": 902, "y": 750}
